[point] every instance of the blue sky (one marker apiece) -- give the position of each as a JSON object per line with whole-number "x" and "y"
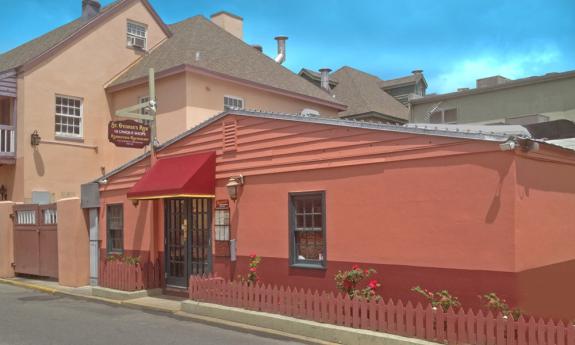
{"x": 454, "y": 42}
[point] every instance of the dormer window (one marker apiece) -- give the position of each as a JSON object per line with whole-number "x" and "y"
{"x": 137, "y": 35}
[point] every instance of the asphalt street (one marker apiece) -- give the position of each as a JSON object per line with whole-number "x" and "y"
{"x": 30, "y": 317}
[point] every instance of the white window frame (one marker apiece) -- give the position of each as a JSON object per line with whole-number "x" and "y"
{"x": 233, "y": 98}
{"x": 132, "y": 36}
{"x": 60, "y": 133}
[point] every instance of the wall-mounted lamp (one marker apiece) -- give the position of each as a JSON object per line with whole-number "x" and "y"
{"x": 3, "y": 193}
{"x": 135, "y": 202}
{"x": 233, "y": 185}
{"x": 103, "y": 181}
{"x": 35, "y": 138}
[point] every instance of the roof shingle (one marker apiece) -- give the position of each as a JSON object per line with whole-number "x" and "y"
{"x": 198, "y": 42}
{"x": 362, "y": 94}
{"x": 30, "y": 50}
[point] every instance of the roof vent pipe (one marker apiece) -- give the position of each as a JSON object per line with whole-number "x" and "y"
{"x": 281, "y": 49}
{"x": 325, "y": 78}
{"x": 90, "y": 9}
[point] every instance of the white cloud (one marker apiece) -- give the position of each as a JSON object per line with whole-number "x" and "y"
{"x": 464, "y": 73}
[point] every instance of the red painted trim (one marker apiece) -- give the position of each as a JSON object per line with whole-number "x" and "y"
{"x": 221, "y": 76}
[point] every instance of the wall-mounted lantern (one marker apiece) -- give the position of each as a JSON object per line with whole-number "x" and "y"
{"x": 135, "y": 202}
{"x": 3, "y": 193}
{"x": 233, "y": 185}
{"x": 35, "y": 138}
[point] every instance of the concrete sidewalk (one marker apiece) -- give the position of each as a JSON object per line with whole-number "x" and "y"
{"x": 301, "y": 330}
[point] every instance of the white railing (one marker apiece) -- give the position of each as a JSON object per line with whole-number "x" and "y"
{"x": 26, "y": 217}
{"x": 7, "y": 140}
{"x": 50, "y": 216}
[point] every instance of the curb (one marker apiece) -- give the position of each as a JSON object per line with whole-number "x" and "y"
{"x": 53, "y": 291}
{"x": 178, "y": 313}
{"x": 29, "y": 286}
{"x": 303, "y": 328}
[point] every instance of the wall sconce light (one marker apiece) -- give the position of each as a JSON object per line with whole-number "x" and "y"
{"x": 35, "y": 138}
{"x": 135, "y": 202}
{"x": 233, "y": 184}
{"x": 3, "y": 193}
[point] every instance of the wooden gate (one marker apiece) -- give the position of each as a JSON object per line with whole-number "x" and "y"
{"x": 36, "y": 240}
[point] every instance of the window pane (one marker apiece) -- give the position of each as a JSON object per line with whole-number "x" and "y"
{"x": 435, "y": 117}
{"x": 309, "y": 245}
{"x": 68, "y": 116}
{"x": 308, "y": 229}
{"x": 115, "y": 222}
{"x": 450, "y": 116}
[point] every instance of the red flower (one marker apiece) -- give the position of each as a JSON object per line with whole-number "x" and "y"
{"x": 373, "y": 284}
{"x": 366, "y": 271}
{"x": 355, "y": 267}
{"x": 252, "y": 269}
{"x": 252, "y": 256}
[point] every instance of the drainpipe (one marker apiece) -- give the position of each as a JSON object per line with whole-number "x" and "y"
{"x": 94, "y": 246}
{"x": 281, "y": 49}
{"x": 90, "y": 200}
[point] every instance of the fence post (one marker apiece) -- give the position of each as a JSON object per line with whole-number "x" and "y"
{"x": 6, "y": 239}
{"x": 451, "y": 320}
{"x": 430, "y": 323}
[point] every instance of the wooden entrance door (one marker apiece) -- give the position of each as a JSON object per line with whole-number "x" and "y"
{"x": 187, "y": 239}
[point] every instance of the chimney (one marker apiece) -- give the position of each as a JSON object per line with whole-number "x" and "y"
{"x": 325, "y": 78}
{"x": 491, "y": 81}
{"x": 90, "y": 9}
{"x": 417, "y": 71}
{"x": 258, "y": 47}
{"x": 229, "y": 22}
{"x": 281, "y": 49}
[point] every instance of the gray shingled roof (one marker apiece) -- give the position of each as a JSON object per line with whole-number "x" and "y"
{"x": 362, "y": 94}
{"x": 221, "y": 52}
{"x": 399, "y": 81}
{"x": 34, "y": 48}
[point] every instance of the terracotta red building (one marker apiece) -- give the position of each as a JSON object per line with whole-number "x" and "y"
{"x": 466, "y": 211}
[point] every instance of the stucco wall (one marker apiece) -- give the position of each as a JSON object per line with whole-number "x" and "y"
{"x": 545, "y": 236}
{"x": 73, "y": 244}
{"x": 553, "y": 98}
{"x": 171, "y": 109}
{"x": 206, "y": 98}
{"x": 82, "y": 70}
{"x": 6, "y": 240}
{"x": 187, "y": 99}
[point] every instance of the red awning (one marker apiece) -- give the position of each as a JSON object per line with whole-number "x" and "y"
{"x": 185, "y": 176}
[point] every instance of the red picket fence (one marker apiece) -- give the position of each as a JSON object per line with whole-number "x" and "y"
{"x": 403, "y": 319}
{"x": 115, "y": 274}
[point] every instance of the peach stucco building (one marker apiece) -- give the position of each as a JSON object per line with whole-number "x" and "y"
{"x": 67, "y": 85}
{"x": 468, "y": 211}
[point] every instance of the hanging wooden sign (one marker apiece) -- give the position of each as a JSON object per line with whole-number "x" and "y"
{"x": 129, "y": 133}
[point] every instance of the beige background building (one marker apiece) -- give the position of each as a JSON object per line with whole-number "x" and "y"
{"x": 498, "y": 100}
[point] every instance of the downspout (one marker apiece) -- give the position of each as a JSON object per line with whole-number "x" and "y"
{"x": 90, "y": 200}
{"x": 94, "y": 246}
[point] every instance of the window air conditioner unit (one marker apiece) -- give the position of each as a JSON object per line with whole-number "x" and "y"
{"x": 139, "y": 43}
{"x": 309, "y": 112}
